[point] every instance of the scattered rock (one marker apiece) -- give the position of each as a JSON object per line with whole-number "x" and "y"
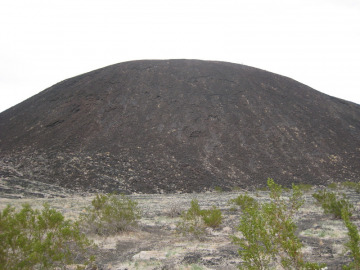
{"x": 176, "y": 126}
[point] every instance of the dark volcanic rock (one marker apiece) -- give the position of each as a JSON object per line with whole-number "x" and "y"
{"x": 179, "y": 125}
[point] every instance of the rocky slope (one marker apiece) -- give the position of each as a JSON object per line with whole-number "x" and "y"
{"x": 176, "y": 126}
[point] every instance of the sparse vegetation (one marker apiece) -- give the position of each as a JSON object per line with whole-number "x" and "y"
{"x": 33, "y": 239}
{"x": 352, "y": 185}
{"x": 305, "y": 187}
{"x": 268, "y": 231}
{"x": 212, "y": 217}
{"x": 110, "y": 214}
{"x": 244, "y": 201}
{"x": 267, "y": 236}
{"x": 174, "y": 211}
{"x": 332, "y": 205}
{"x": 354, "y": 239}
{"x": 346, "y": 184}
{"x": 342, "y": 208}
{"x": 194, "y": 220}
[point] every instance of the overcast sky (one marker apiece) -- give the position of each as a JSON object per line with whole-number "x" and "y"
{"x": 316, "y": 42}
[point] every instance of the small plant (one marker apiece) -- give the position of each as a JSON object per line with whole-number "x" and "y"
{"x": 33, "y": 239}
{"x": 218, "y": 189}
{"x": 110, "y": 214}
{"x": 194, "y": 220}
{"x": 341, "y": 208}
{"x": 212, "y": 217}
{"x": 332, "y": 205}
{"x": 243, "y": 201}
{"x": 354, "y": 240}
{"x": 268, "y": 231}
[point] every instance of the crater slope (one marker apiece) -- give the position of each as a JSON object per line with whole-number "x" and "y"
{"x": 176, "y": 126}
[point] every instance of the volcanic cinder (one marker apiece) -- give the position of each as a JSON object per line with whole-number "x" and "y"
{"x": 178, "y": 126}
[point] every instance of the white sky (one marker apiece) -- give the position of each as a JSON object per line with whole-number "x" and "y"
{"x": 316, "y": 42}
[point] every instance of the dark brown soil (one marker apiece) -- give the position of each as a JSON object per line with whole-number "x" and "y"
{"x": 177, "y": 126}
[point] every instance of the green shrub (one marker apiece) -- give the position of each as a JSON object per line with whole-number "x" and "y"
{"x": 194, "y": 220}
{"x": 218, "y": 189}
{"x": 243, "y": 200}
{"x": 212, "y": 217}
{"x": 332, "y": 205}
{"x": 354, "y": 240}
{"x": 110, "y": 214}
{"x": 33, "y": 239}
{"x": 341, "y": 208}
{"x": 268, "y": 231}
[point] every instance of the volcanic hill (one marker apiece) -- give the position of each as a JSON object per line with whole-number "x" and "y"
{"x": 177, "y": 126}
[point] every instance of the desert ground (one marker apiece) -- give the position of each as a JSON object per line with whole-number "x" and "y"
{"x": 155, "y": 243}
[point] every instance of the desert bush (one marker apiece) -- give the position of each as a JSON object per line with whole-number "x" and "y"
{"x": 33, "y": 239}
{"x": 110, "y": 214}
{"x": 341, "y": 208}
{"x": 354, "y": 240}
{"x": 332, "y": 205}
{"x": 212, "y": 217}
{"x": 194, "y": 221}
{"x": 268, "y": 231}
{"x": 243, "y": 200}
